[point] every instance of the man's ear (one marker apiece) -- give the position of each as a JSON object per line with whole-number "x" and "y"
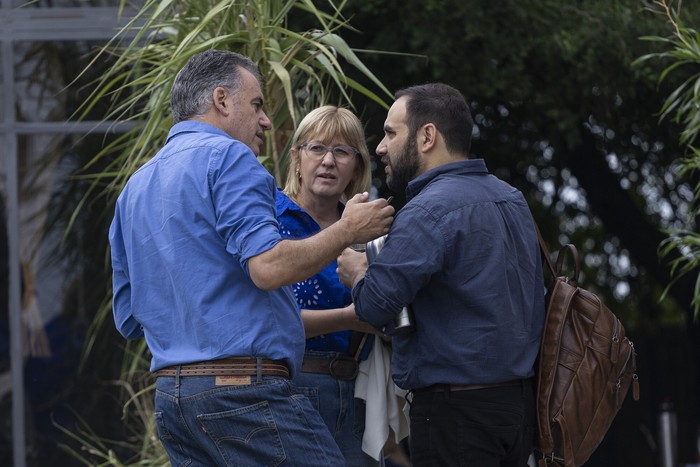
{"x": 427, "y": 137}
{"x": 219, "y": 99}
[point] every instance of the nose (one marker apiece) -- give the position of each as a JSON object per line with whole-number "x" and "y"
{"x": 381, "y": 148}
{"x": 265, "y": 122}
{"x": 326, "y": 160}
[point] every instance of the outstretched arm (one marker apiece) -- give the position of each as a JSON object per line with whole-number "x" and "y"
{"x": 292, "y": 261}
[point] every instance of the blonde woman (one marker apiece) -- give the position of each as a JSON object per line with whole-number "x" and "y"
{"x": 329, "y": 163}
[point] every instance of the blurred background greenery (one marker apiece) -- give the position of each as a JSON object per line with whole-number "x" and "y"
{"x": 568, "y": 100}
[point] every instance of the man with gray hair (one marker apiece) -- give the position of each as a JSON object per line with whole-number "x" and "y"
{"x": 200, "y": 270}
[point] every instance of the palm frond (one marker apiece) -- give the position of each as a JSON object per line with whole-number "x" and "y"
{"x": 301, "y": 69}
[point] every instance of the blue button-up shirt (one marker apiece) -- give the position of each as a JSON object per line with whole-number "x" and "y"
{"x": 464, "y": 254}
{"x": 184, "y": 228}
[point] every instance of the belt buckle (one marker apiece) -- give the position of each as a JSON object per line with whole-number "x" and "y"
{"x": 343, "y": 367}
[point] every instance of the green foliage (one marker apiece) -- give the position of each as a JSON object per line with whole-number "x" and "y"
{"x": 561, "y": 113}
{"x": 139, "y": 444}
{"x": 542, "y": 77}
{"x": 688, "y": 243}
{"x": 302, "y": 68}
{"x": 682, "y": 50}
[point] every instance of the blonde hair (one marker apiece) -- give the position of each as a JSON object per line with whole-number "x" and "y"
{"x": 327, "y": 123}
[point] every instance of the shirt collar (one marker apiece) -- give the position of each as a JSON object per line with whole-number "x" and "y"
{"x": 465, "y": 167}
{"x": 285, "y": 203}
{"x": 190, "y": 126}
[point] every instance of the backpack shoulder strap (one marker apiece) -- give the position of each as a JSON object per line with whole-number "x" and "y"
{"x": 545, "y": 252}
{"x": 560, "y": 298}
{"x": 560, "y": 294}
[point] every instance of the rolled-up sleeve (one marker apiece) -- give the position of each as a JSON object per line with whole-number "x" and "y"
{"x": 243, "y": 194}
{"x": 410, "y": 256}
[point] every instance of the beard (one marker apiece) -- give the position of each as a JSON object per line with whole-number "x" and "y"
{"x": 404, "y": 167}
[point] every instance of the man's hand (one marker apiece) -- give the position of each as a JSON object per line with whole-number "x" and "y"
{"x": 351, "y": 267}
{"x": 367, "y": 220}
{"x": 291, "y": 261}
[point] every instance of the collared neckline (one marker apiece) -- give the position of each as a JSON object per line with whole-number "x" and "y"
{"x": 286, "y": 203}
{"x": 465, "y": 167}
{"x": 190, "y": 126}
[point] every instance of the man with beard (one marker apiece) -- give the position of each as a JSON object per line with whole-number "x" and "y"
{"x": 463, "y": 255}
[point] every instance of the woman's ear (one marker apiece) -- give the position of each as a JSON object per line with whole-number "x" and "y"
{"x": 295, "y": 157}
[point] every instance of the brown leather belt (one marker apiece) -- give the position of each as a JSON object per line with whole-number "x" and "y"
{"x": 233, "y": 366}
{"x": 342, "y": 367}
{"x": 471, "y": 387}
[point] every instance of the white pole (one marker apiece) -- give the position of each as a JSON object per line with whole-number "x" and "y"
{"x": 667, "y": 435}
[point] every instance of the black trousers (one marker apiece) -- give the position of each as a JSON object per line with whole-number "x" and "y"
{"x": 493, "y": 427}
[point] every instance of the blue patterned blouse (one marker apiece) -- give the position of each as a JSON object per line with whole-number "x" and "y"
{"x": 319, "y": 292}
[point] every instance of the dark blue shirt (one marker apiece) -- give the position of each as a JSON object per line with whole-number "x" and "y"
{"x": 323, "y": 290}
{"x": 464, "y": 254}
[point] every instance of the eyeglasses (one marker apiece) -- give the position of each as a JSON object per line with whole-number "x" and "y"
{"x": 341, "y": 153}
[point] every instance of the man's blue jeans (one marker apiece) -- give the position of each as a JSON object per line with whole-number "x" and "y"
{"x": 342, "y": 413}
{"x": 201, "y": 423}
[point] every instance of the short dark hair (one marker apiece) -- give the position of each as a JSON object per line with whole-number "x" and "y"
{"x": 445, "y": 107}
{"x": 194, "y": 85}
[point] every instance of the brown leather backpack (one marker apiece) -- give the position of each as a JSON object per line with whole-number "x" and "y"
{"x": 586, "y": 367}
